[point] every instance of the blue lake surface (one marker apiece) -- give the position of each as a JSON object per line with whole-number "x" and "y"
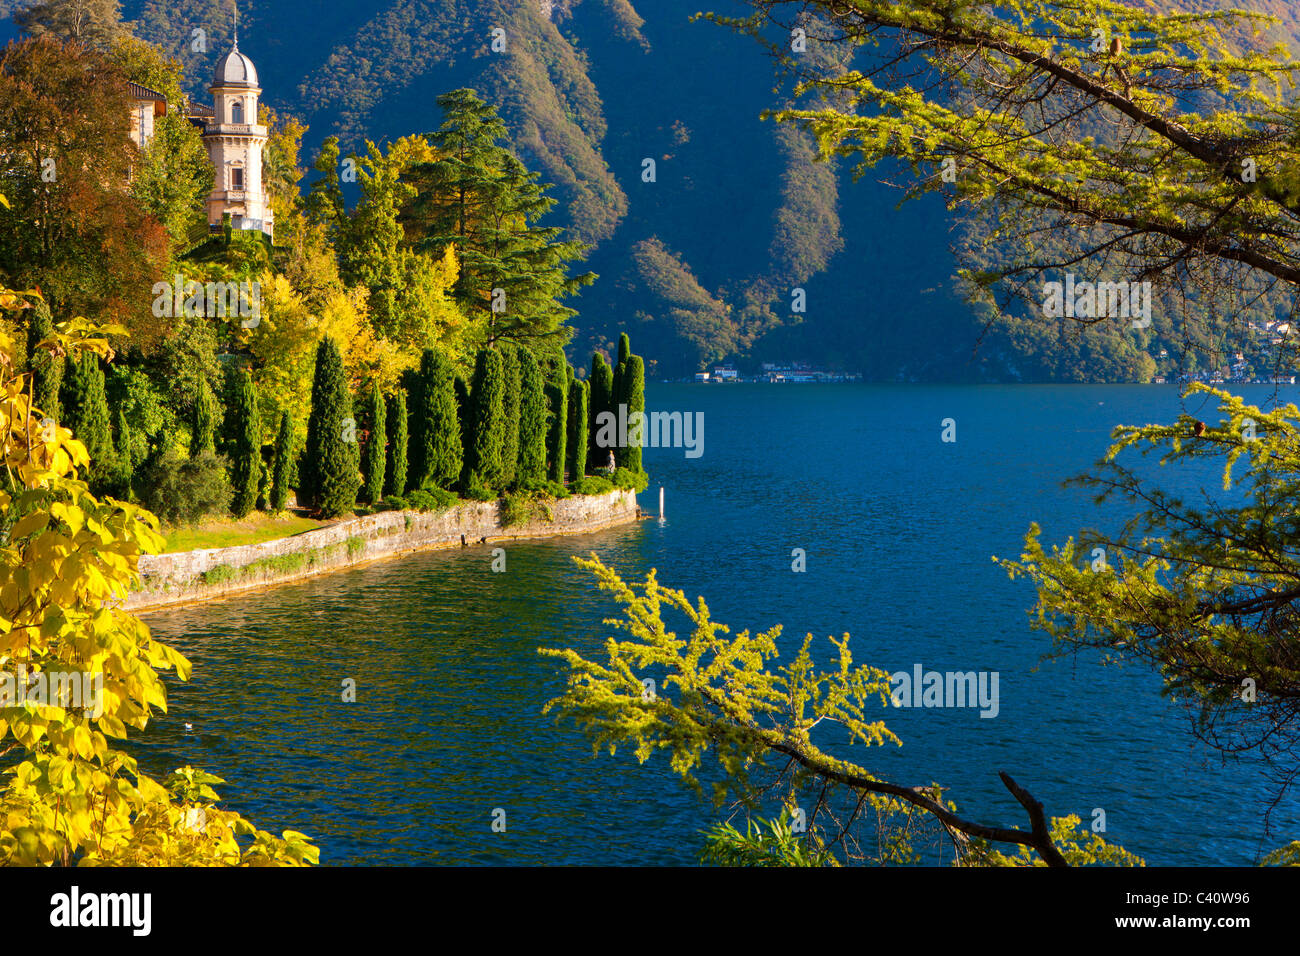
{"x": 899, "y": 529}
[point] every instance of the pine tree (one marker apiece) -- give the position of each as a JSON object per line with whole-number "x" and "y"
{"x": 46, "y": 369}
{"x": 282, "y": 464}
{"x": 395, "y": 470}
{"x": 329, "y": 463}
{"x": 633, "y": 396}
{"x": 88, "y": 416}
{"x": 438, "y": 452}
{"x": 205, "y": 421}
{"x": 577, "y": 445}
{"x": 532, "y": 419}
{"x": 488, "y": 423}
{"x": 246, "y": 460}
{"x": 372, "y": 465}
{"x": 479, "y": 197}
{"x": 510, "y": 446}
{"x": 600, "y": 400}
{"x": 557, "y": 402}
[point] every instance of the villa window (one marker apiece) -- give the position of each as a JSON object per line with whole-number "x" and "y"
{"x": 237, "y": 112}
{"x": 237, "y": 177}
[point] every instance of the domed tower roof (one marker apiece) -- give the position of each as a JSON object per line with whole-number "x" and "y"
{"x": 235, "y": 70}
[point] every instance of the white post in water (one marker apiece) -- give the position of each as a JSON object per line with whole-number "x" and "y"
{"x": 661, "y": 502}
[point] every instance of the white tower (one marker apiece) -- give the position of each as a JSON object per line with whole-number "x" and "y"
{"x": 234, "y": 142}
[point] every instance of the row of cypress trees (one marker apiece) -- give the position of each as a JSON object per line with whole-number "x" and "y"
{"x": 624, "y": 384}
{"x": 520, "y": 423}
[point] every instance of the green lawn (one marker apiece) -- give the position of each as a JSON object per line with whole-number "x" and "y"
{"x": 227, "y": 532}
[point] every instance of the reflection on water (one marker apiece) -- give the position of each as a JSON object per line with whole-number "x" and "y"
{"x": 898, "y": 529}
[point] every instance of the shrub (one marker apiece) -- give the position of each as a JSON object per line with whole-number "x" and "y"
{"x": 630, "y": 480}
{"x": 432, "y": 498}
{"x": 525, "y": 507}
{"x": 183, "y": 490}
{"x": 592, "y": 485}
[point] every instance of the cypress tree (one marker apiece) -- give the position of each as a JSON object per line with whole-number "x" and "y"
{"x": 395, "y": 470}
{"x": 372, "y": 465}
{"x": 488, "y": 423}
{"x": 88, "y": 415}
{"x": 532, "y": 419}
{"x": 205, "y": 421}
{"x": 600, "y": 400}
{"x": 439, "y": 449}
{"x": 227, "y": 434}
{"x": 510, "y": 446}
{"x": 633, "y": 396}
{"x": 557, "y": 401}
{"x": 577, "y": 445}
{"x": 281, "y": 465}
{"x": 624, "y": 348}
{"x": 464, "y": 407}
{"x": 329, "y": 463}
{"x": 46, "y": 369}
{"x": 246, "y": 461}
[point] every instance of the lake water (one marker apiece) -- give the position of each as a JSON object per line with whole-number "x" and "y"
{"x": 898, "y": 528}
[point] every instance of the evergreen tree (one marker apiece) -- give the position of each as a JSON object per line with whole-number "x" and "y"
{"x": 532, "y": 419}
{"x": 557, "y": 402}
{"x": 633, "y": 396}
{"x": 329, "y": 463}
{"x": 479, "y": 197}
{"x": 439, "y": 451}
{"x": 246, "y": 460}
{"x": 577, "y": 444}
{"x": 395, "y": 472}
{"x": 510, "y": 447}
{"x": 205, "y": 421}
{"x": 282, "y": 464}
{"x": 227, "y": 435}
{"x": 87, "y": 410}
{"x": 46, "y": 369}
{"x": 463, "y": 405}
{"x": 488, "y": 423}
{"x": 600, "y": 400}
{"x": 624, "y": 348}
{"x": 372, "y": 465}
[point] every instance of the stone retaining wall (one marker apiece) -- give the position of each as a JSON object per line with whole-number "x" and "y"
{"x": 211, "y": 572}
